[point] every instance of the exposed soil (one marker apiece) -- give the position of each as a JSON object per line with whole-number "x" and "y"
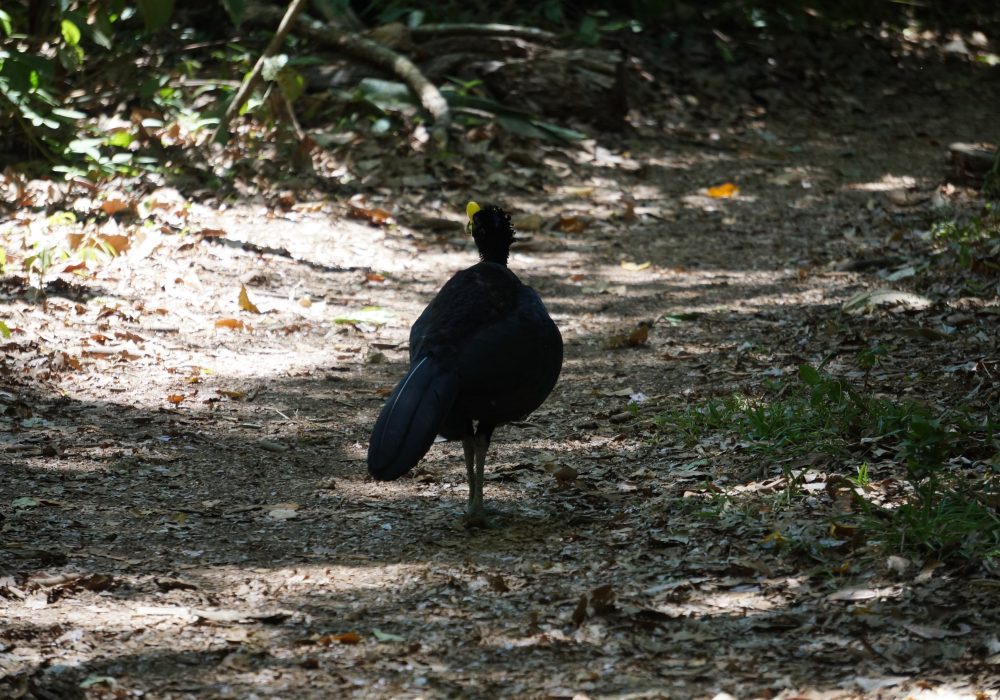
{"x": 185, "y": 507}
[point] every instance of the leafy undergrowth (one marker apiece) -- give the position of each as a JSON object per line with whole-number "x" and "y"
{"x": 900, "y": 478}
{"x": 972, "y": 242}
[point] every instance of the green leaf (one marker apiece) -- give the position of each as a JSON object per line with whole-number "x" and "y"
{"x": 156, "y": 13}
{"x": 61, "y": 218}
{"x": 149, "y": 87}
{"x": 521, "y": 127}
{"x": 517, "y": 121}
{"x": 102, "y": 29}
{"x": 559, "y": 131}
{"x": 386, "y": 636}
{"x": 37, "y": 119}
{"x": 87, "y": 147}
{"x": 381, "y": 126}
{"x": 292, "y": 84}
{"x": 375, "y": 315}
{"x": 809, "y": 375}
{"x": 272, "y": 67}
{"x": 4, "y": 330}
{"x": 588, "y": 31}
{"x": 380, "y": 92}
{"x": 5, "y": 23}
{"x": 235, "y": 8}
{"x": 119, "y": 139}
{"x": 70, "y": 33}
{"x": 83, "y": 145}
{"x": 68, "y": 113}
{"x": 18, "y": 74}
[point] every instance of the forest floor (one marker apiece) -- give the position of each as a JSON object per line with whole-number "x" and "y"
{"x": 185, "y": 507}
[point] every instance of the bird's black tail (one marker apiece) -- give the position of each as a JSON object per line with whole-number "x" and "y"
{"x": 411, "y": 418}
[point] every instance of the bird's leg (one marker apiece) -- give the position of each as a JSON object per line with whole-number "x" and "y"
{"x": 477, "y": 514}
{"x": 469, "y": 445}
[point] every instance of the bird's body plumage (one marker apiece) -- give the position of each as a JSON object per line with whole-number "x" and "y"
{"x": 483, "y": 353}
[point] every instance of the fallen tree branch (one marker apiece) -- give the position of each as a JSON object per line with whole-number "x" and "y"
{"x": 428, "y": 31}
{"x": 367, "y": 50}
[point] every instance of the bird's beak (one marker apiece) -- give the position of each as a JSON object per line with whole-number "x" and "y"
{"x": 470, "y": 210}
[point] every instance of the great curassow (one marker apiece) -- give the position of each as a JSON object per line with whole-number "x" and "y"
{"x": 483, "y": 353}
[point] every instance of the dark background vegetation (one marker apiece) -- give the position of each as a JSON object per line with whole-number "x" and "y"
{"x": 66, "y": 62}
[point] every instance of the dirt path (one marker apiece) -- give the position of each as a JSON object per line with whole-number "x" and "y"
{"x": 186, "y": 511}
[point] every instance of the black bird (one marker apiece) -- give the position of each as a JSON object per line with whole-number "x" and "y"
{"x": 483, "y": 353}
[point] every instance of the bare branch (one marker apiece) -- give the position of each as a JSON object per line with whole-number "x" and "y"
{"x": 251, "y": 80}
{"x": 367, "y": 50}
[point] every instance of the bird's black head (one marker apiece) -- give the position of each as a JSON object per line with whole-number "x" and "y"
{"x": 492, "y": 231}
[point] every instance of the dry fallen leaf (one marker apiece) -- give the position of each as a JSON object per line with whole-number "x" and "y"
{"x": 565, "y": 475}
{"x": 284, "y": 511}
{"x": 577, "y": 191}
{"x": 602, "y": 599}
{"x": 373, "y": 215}
{"x": 635, "y": 338}
{"x": 580, "y": 612}
{"x": 245, "y": 302}
{"x": 571, "y": 224}
{"x": 116, "y": 202}
{"x": 528, "y": 222}
{"x": 63, "y": 360}
{"x": 635, "y": 267}
{"x": 233, "y": 324}
{"x": 119, "y": 243}
{"x": 723, "y": 191}
{"x": 344, "y": 638}
{"x": 629, "y": 214}
{"x": 175, "y": 399}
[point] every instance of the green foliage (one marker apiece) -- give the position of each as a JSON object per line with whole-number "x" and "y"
{"x": 870, "y": 358}
{"x": 862, "y": 478}
{"x": 156, "y": 13}
{"x": 277, "y": 70}
{"x": 42, "y": 259}
{"x": 386, "y": 95}
{"x": 236, "y": 9}
{"x": 974, "y": 241}
{"x": 822, "y": 414}
{"x": 35, "y": 83}
{"x": 953, "y": 523}
{"x": 991, "y": 187}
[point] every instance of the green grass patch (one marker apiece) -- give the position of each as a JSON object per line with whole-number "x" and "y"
{"x": 944, "y": 511}
{"x": 974, "y": 241}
